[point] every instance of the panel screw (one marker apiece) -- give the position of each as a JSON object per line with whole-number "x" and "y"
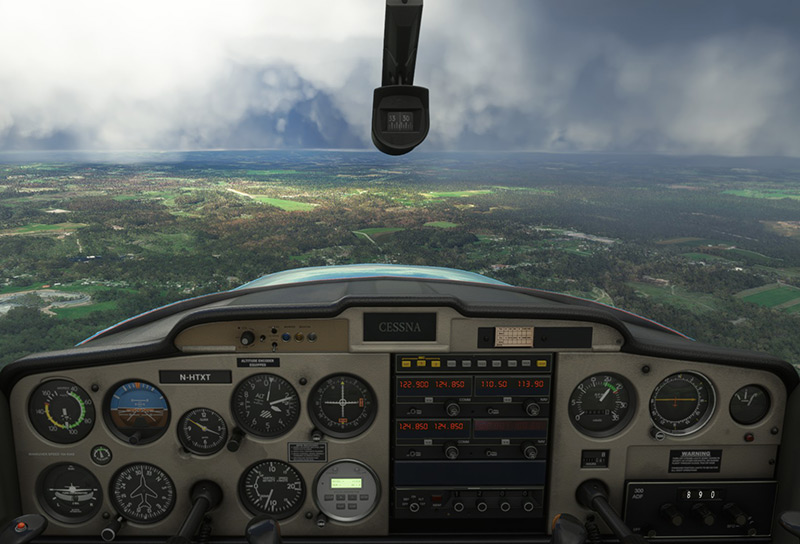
{"x": 95, "y": 387}
{"x": 774, "y": 430}
{"x": 309, "y": 515}
{"x": 303, "y": 381}
{"x": 645, "y": 369}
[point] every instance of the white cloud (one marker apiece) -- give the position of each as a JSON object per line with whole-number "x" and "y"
{"x": 154, "y": 74}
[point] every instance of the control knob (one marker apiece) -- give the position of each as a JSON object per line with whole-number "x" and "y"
{"x": 452, "y": 408}
{"x": 529, "y": 451}
{"x": 532, "y": 408}
{"x": 703, "y": 514}
{"x": 451, "y": 451}
{"x": 672, "y": 514}
{"x": 481, "y": 506}
{"x": 735, "y": 514}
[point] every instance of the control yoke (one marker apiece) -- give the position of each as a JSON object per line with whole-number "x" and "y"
{"x": 400, "y": 115}
{"x": 593, "y": 494}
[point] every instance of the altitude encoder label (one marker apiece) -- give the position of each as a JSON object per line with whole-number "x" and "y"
{"x": 692, "y": 461}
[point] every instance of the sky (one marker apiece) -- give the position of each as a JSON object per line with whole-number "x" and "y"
{"x": 719, "y": 77}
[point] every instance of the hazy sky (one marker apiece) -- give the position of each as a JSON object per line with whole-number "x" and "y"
{"x": 666, "y": 76}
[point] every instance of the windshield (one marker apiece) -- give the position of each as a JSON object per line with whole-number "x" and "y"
{"x": 644, "y": 156}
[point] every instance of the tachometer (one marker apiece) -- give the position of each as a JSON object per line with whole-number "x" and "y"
{"x": 142, "y": 493}
{"x": 266, "y": 405}
{"x": 682, "y": 403}
{"x": 342, "y": 406}
{"x": 61, "y": 411}
{"x": 602, "y": 405}
{"x": 272, "y": 487}
{"x": 202, "y": 431}
{"x": 69, "y": 493}
{"x": 138, "y": 412}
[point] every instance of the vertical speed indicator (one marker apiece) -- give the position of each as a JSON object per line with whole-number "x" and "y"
{"x": 602, "y": 405}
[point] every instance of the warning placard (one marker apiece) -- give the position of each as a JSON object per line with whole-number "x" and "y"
{"x": 691, "y": 461}
{"x": 308, "y": 452}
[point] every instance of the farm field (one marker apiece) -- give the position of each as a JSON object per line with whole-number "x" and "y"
{"x": 684, "y": 241}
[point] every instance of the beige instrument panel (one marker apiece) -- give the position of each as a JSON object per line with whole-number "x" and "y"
{"x": 337, "y": 347}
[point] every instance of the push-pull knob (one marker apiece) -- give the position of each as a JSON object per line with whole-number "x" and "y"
{"x": 705, "y": 515}
{"x": 735, "y": 514}
{"x": 110, "y": 531}
{"x": 672, "y": 514}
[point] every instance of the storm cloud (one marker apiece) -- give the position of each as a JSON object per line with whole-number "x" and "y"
{"x": 712, "y": 77}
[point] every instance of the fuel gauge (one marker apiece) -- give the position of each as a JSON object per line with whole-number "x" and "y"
{"x": 750, "y": 404}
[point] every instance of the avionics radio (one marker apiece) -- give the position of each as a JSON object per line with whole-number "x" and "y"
{"x": 469, "y": 440}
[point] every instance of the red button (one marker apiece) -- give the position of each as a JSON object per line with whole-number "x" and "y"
{"x": 749, "y": 437}
{"x": 21, "y": 526}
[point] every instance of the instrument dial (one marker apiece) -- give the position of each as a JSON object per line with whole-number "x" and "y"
{"x": 69, "y": 493}
{"x": 142, "y": 493}
{"x": 750, "y": 404}
{"x": 342, "y": 406}
{"x": 138, "y": 412}
{"x": 682, "y": 403}
{"x": 266, "y": 405}
{"x": 602, "y": 405}
{"x": 61, "y": 411}
{"x": 272, "y": 487}
{"x": 202, "y": 431}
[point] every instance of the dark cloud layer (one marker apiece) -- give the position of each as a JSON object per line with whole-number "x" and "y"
{"x": 711, "y": 77}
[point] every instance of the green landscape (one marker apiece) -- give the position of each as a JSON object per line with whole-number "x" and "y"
{"x": 701, "y": 244}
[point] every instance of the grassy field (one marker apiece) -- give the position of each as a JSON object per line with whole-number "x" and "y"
{"x": 702, "y": 257}
{"x": 771, "y": 295}
{"x": 441, "y": 224}
{"x": 35, "y": 228}
{"x": 378, "y": 231}
{"x": 457, "y": 194}
{"x": 675, "y": 296}
{"x": 766, "y": 194}
{"x": 287, "y": 205}
{"x": 77, "y": 312}
{"x": 270, "y": 172}
{"x": 690, "y": 242}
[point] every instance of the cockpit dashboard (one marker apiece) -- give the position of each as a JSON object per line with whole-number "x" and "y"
{"x": 384, "y": 406}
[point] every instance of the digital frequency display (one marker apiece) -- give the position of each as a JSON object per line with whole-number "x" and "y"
{"x": 696, "y": 494}
{"x": 510, "y": 428}
{"x": 512, "y": 386}
{"x": 345, "y": 483}
{"x": 434, "y": 387}
{"x": 432, "y": 429}
{"x": 400, "y": 121}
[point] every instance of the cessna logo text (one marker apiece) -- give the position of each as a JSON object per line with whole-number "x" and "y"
{"x": 399, "y": 327}
{"x": 394, "y": 326}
